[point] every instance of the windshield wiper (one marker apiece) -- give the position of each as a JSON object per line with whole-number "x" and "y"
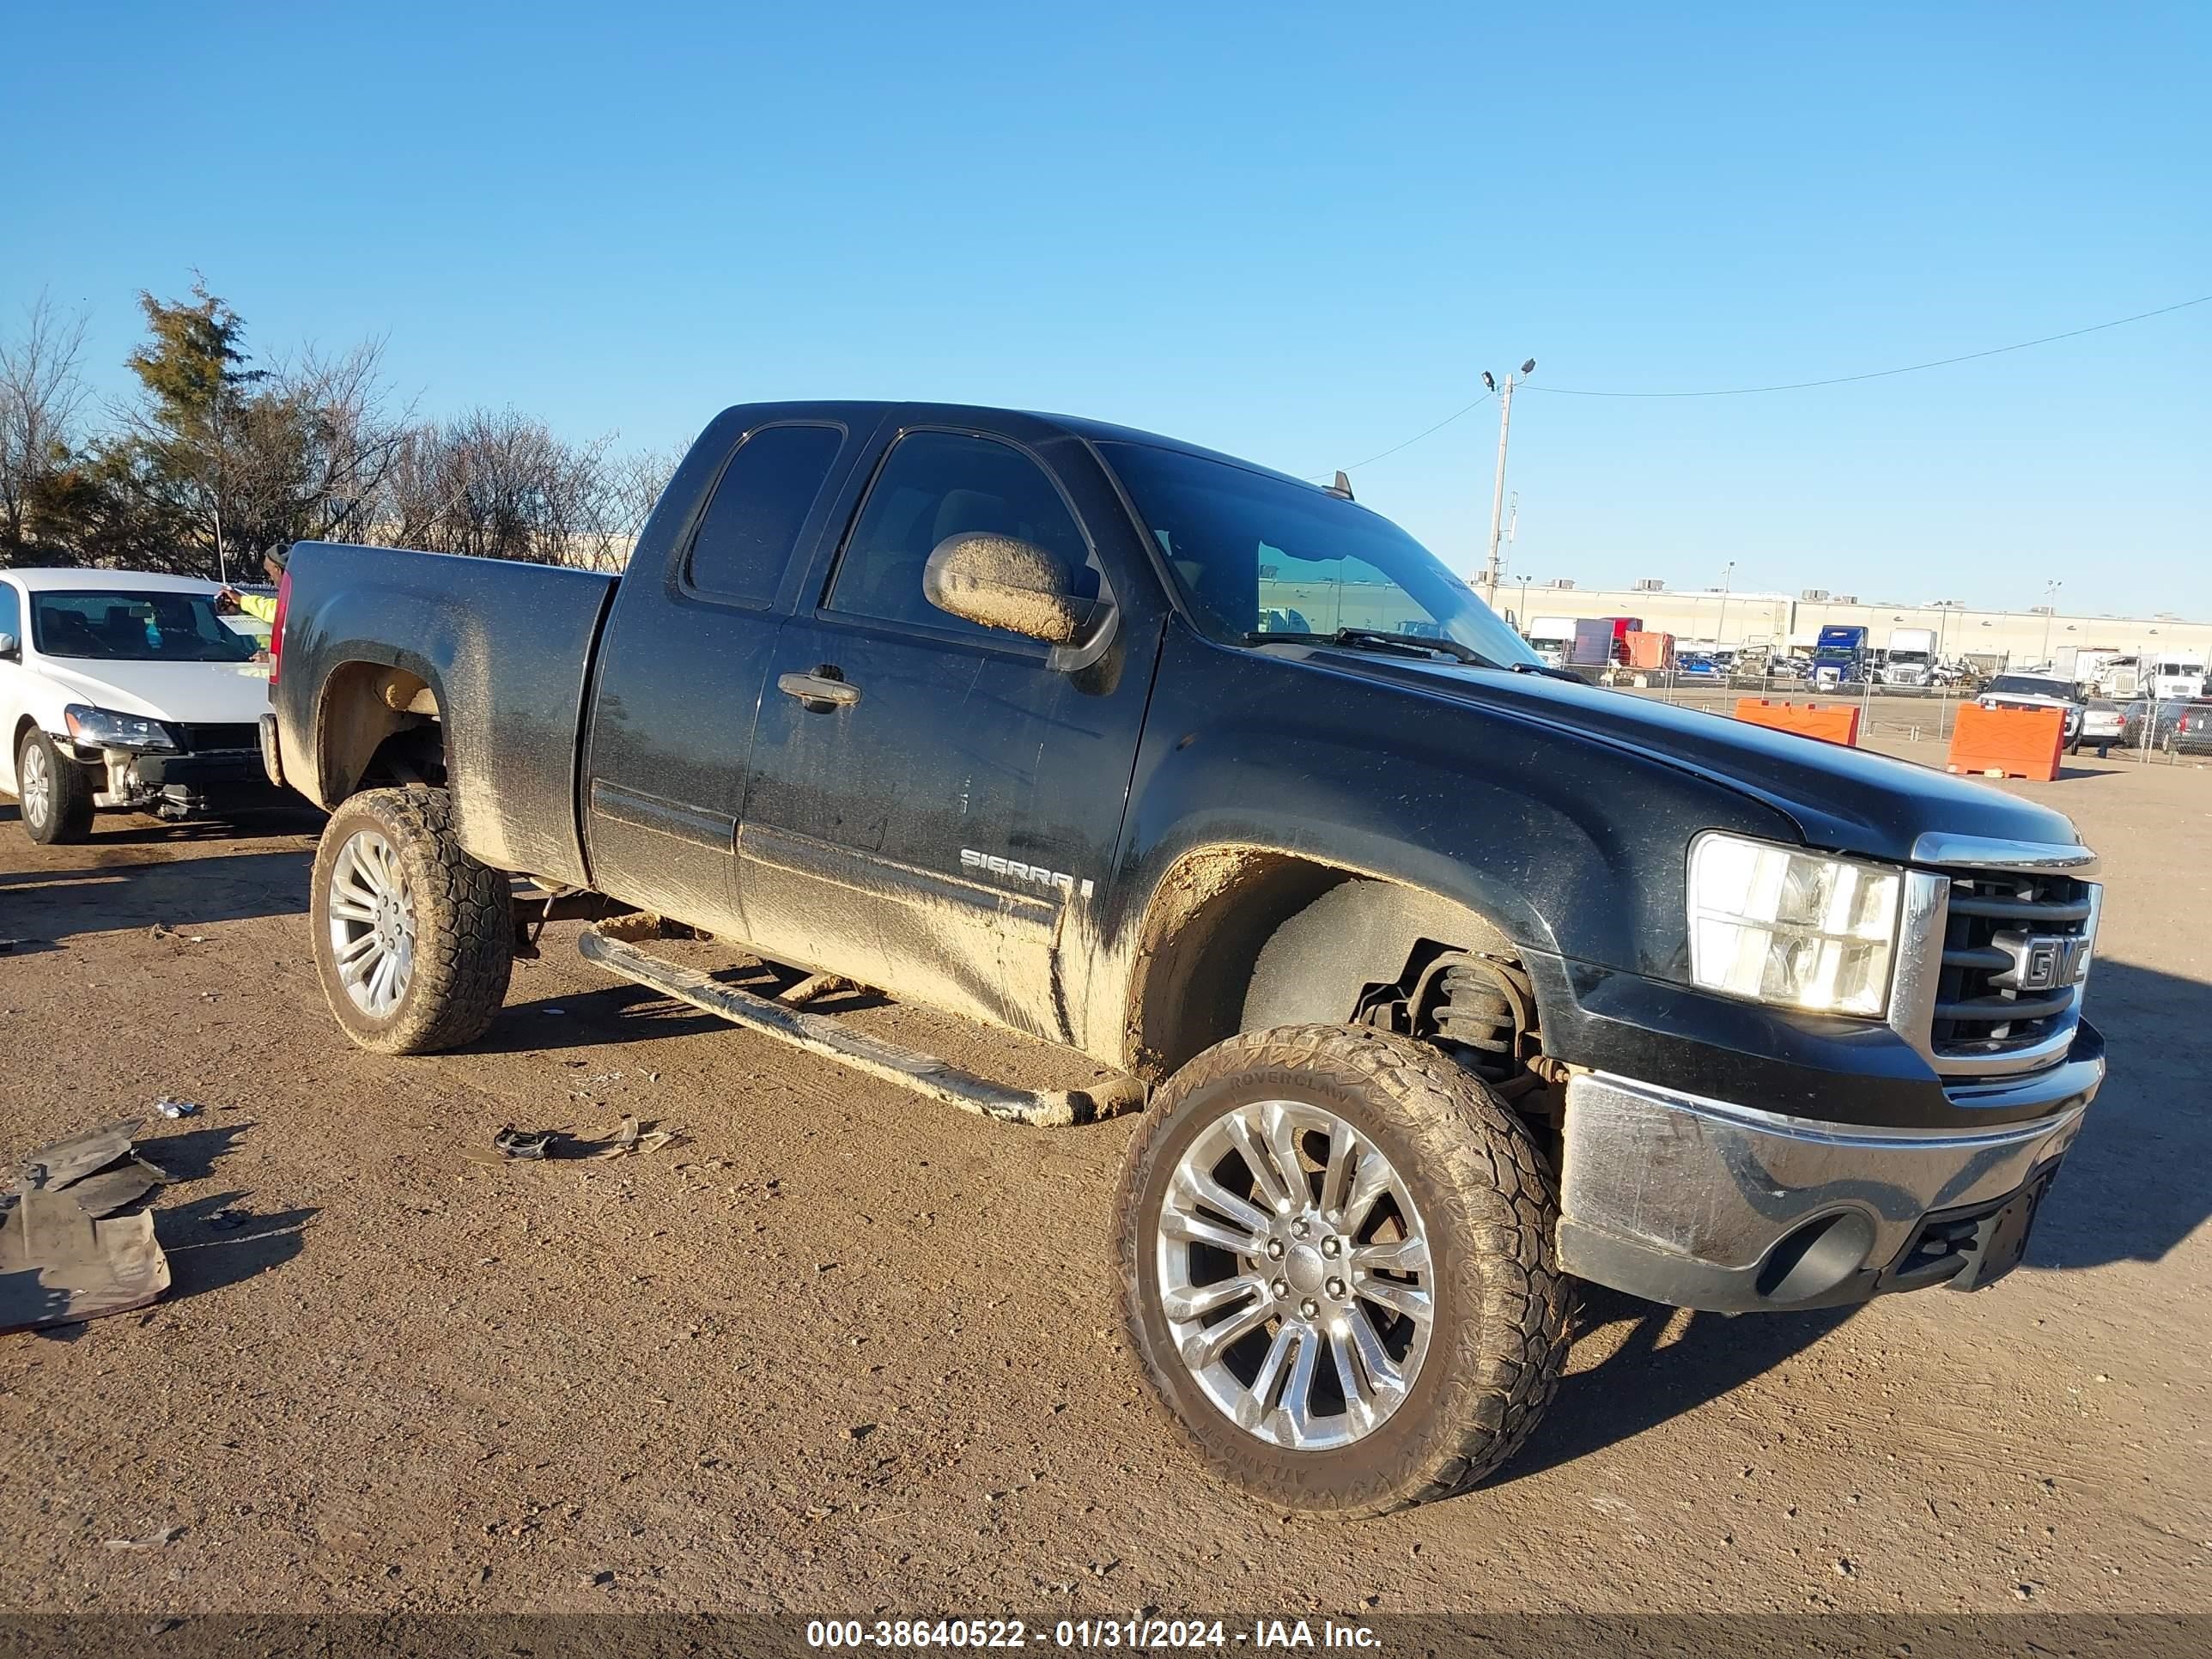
{"x": 1379, "y": 639}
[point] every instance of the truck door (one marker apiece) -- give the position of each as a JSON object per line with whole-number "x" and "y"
{"x": 941, "y": 830}
{"x": 680, "y": 674}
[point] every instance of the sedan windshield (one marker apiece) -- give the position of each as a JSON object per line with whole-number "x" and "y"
{"x": 2023, "y": 685}
{"x": 116, "y": 625}
{"x": 1255, "y": 556}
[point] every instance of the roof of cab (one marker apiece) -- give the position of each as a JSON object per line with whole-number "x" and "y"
{"x": 1103, "y": 432}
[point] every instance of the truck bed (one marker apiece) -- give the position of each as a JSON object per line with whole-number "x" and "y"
{"x": 506, "y": 648}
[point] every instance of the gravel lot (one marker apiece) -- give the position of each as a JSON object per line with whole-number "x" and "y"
{"x": 842, "y": 1351}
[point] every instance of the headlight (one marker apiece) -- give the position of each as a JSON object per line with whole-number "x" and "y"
{"x": 103, "y": 728}
{"x": 1778, "y": 925}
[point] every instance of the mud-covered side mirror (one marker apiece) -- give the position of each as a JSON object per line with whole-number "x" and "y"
{"x": 1003, "y": 582}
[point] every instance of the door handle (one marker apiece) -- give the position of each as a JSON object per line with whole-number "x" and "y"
{"x": 822, "y": 690}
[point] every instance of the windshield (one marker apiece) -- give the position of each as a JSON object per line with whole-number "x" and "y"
{"x": 116, "y": 625}
{"x": 2022, "y": 685}
{"x": 1255, "y": 554}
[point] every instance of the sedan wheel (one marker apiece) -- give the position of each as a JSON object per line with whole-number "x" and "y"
{"x": 37, "y": 781}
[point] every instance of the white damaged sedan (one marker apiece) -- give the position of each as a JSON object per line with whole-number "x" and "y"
{"x": 119, "y": 688}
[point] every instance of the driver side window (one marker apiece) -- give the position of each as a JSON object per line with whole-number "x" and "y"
{"x": 936, "y": 485}
{"x": 11, "y": 613}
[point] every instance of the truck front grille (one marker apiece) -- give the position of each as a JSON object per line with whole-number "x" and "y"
{"x": 2014, "y": 947}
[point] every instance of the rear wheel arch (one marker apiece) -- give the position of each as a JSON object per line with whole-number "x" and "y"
{"x": 375, "y": 723}
{"x": 1228, "y": 938}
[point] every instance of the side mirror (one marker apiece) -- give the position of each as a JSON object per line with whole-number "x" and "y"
{"x": 1001, "y": 582}
{"x": 11, "y": 649}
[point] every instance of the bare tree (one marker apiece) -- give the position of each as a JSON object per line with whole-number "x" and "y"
{"x": 41, "y": 394}
{"x": 498, "y": 484}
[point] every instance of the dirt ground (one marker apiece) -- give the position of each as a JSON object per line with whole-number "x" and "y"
{"x": 844, "y": 1351}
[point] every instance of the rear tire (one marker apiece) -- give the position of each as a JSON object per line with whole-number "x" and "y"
{"x": 1431, "y": 1363}
{"x": 55, "y": 792}
{"x": 414, "y": 939}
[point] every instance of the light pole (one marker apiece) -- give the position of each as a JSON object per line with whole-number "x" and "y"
{"x": 1497, "y": 488}
{"x": 1524, "y": 607}
{"x": 2050, "y": 616}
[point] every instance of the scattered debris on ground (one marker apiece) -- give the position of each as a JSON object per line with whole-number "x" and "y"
{"x": 152, "y": 1541}
{"x": 64, "y": 1255}
{"x": 170, "y": 1106}
{"x": 512, "y": 1145}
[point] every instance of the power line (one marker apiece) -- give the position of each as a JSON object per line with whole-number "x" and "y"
{"x": 1417, "y": 437}
{"x": 1790, "y": 385}
{"x": 1878, "y": 373}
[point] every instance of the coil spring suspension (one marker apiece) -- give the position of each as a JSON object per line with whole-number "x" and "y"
{"x": 1485, "y": 1006}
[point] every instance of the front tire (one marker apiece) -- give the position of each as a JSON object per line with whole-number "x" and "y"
{"x": 1336, "y": 1253}
{"x": 55, "y": 792}
{"x": 414, "y": 939}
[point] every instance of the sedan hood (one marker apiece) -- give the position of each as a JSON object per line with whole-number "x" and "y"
{"x": 1847, "y": 800}
{"x": 197, "y": 693}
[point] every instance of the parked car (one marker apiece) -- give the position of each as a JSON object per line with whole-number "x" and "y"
{"x": 2178, "y": 727}
{"x": 1448, "y": 979}
{"x": 2039, "y": 691}
{"x": 2103, "y": 724}
{"x": 122, "y": 690}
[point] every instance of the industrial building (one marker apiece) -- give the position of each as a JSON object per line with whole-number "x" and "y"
{"x": 1778, "y": 622}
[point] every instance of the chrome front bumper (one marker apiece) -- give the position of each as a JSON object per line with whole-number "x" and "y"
{"x": 1708, "y": 1203}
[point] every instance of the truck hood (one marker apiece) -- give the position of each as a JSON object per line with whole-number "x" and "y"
{"x": 211, "y": 693}
{"x": 1847, "y": 800}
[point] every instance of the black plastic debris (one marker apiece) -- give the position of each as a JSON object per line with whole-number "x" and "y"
{"x": 64, "y": 1255}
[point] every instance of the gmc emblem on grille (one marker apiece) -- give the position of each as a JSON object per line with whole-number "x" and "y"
{"x": 2041, "y": 962}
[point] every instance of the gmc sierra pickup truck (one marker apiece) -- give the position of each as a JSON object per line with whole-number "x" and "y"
{"x": 1441, "y": 981}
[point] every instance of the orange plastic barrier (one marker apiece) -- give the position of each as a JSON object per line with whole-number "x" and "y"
{"x": 1831, "y": 722}
{"x": 2008, "y": 742}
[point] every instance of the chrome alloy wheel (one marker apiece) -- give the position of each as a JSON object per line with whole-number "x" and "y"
{"x": 371, "y": 919}
{"x": 37, "y": 794}
{"x": 1295, "y": 1275}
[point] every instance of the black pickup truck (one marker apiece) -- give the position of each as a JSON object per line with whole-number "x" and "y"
{"x": 1443, "y": 980}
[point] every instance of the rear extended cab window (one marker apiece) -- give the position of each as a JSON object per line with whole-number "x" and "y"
{"x": 746, "y": 537}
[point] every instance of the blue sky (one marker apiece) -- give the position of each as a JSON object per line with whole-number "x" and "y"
{"x": 1296, "y": 233}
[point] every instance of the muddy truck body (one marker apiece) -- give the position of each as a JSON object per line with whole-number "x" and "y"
{"x": 1444, "y": 980}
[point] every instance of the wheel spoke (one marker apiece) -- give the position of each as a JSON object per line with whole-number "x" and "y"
{"x": 1403, "y": 1255}
{"x": 1407, "y": 1299}
{"x": 352, "y": 909}
{"x": 1283, "y": 1145}
{"x": 1258, "y": 1161}
{"x": 359, "y": 947}
{"x": 1196, "y": 1300}
{"x": 1297, "y": 1392}
{"x": 1358, "y": 1399}
{"x": 1190, "y": 1229}
{"x": 379, "y": 982}
{"x": 1252, "y": 1408}
{"x": 1336, "y": 1179}
{"x": 1380, "y": 1378}
{"x": 1376, "y": 1178}
{"x": 354, "y": 970}
{"x": 1199, "y": 1187}
{"x": 1203, "y": 1347}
